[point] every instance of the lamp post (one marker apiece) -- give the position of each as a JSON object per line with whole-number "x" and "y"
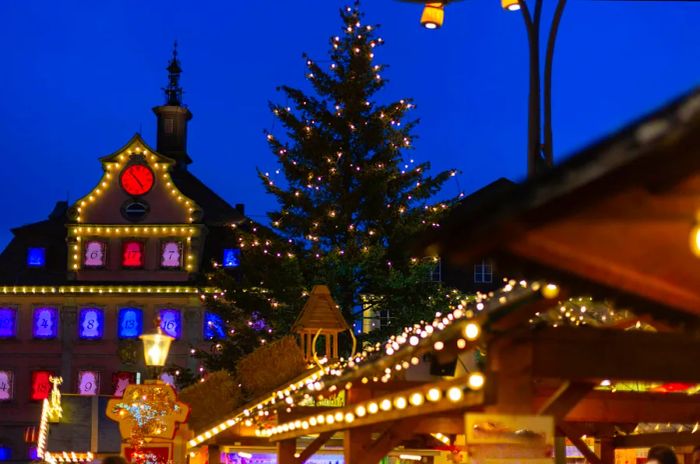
{"x": 155, "y": 348}
{"x": 540, "y": 141}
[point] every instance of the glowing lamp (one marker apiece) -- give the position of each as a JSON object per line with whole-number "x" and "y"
{"x": 510, "y": 5}
{"x": 156, "y": 347}
{"x": 695, "y": 240}
{"x": 433, "y": 15}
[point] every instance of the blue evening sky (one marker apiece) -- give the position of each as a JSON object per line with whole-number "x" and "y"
{"x": 79, "y": 78}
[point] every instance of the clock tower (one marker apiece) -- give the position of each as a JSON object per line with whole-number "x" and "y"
{"x": 173, "y": 117}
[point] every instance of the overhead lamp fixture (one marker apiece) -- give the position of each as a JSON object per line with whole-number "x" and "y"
{"x": 156, "y": 347}
{"x": 433, "y": 15}
{"x": 510, "y": 5}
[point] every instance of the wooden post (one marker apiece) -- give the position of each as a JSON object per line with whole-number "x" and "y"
{"x": 285, "y": 451}
{"x": 512, "y": 364}
{"x": 335, "y": 345}
{"x": 328, "y": 346}
{"x": 214, "y": 454}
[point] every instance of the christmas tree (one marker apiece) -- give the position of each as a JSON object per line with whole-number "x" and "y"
{"x": 350, "y": 201}
{"x": 350, "y": 205}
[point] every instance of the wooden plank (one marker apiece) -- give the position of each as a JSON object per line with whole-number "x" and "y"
{"x": 565, "y": 399}
{"x": 593, "y": 354}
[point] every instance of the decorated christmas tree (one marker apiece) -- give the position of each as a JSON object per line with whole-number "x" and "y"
{"x": 350, "y": 199}
{"x": 350, "y": 205}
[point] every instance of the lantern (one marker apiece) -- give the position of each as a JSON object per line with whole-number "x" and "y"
{"x": 156, "y": 347}
{"x": 433, "y": 15}
{"x": 510, "y": 5}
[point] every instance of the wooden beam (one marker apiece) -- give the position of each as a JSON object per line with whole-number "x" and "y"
{"x": 397, "y": 432}
{"x": 286, "y": 450}
{"x": 592, "y": 354}
{"x": 572, "y": 434}
{"x": 313, "y": 447}
{"x": 565, "y": 399}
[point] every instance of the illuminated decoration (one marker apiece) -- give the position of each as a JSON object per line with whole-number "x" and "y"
{"x": 171, "y": 254}
{"x": 8, "y": 322}
{"x": 232, "y": 257}
{"x": 695, "y": 239}
{"x": 510, "y": 5}
{"x": 55, "y": 410}
{"x": 95, "y": 252}
{"x": 137, "y": 179}
{"x": 45, "y": 323}
{"x": 33, "y": 453}
{"x": 65, "y": 456}
{"x": 214, "y": 328}
{"x": 167, "y": 378}
{"x": 91, "y": 323}
{"x": 433, "y": 15}
{"x": 41, "y": 386}
{"x": 82, "y": 233}
{"x": 132, "y": 253}
{"x": 5, "y": 453}
{"x": 147, "y": 411}
{"x": 136, "y": 152}
{"x": 120, "y": 380}
{"x": 36, "y": 256}
{"x": 152, "y": 454}
{"x": 103, "y": 289}
{"x": 171, "y": 322}
{"x": 88, "y": 383}
{"x": 130, "y": 323}
{"x": 7, "y": 384}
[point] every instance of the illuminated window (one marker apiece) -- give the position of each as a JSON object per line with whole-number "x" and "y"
{"x": 7, "y": 384}
{"x": 88, "y": 383}
{"x": 45, "y": 323}
{"x": 232, "y": 257}
{"x": 171, "y": 254}
{"x": 170, "y": 322}
{"x": 214, "y": 328}
{"x": 132, "y": 254}
{"x": 130, "y": 322}
{"x": 91, "y": 323}
{"x": 41, "y": 386}
{"x": 483, "y": 273}
{"x": 95, "y": 252}
{"x": 36, "y": 256}
{"x": 120, "y": 380}
{"x": 8, "y": 322}
{"x": 169, "y": 378}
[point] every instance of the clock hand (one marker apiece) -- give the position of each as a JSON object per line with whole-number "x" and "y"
{"x": 131, "y": 173}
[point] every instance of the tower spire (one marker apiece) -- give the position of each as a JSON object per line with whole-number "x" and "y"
{"x": 173, "y": 117}
{"x": 173, "y": 92}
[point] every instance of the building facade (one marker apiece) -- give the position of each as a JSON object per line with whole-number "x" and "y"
{"x": 77, "y": 289}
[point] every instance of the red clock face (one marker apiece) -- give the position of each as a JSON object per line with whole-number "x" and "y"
{"x": 137, "y": 179}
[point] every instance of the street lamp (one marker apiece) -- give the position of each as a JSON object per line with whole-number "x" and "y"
{"x": 433, "y": 15}
{"x": 155, "y": 347}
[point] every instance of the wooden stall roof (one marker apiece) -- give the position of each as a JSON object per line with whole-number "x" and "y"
{"x": 320, "y": 312}
{"x": 613, "y": 221}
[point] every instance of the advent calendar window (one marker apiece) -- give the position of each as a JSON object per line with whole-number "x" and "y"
{"x": 41, "y": 385}
{"x": 170, "y": 322}
{"x": 120, "y": 380}
{"x": 45, "y": 323}
{"x": 95, "y": 253}
{"x": 8, "y": 322}
{"x": 214, "y": 328}
{"x": 36, "y": 256}
{"x": 130, "y": 323}
{"x": 88, "y": 383}
{"x": 7, "y": 384}
{"x": 132, "y": 254}
{"x": 171, "y": 254}
{"x": 231, "y": 257}
{"x": 91, "y": 323}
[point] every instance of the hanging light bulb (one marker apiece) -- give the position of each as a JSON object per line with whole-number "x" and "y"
{"x": 510, "y": 5}
{"x": 433, "y": 15}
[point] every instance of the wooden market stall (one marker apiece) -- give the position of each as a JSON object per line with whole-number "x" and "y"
{"x": 598, "y": 327}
